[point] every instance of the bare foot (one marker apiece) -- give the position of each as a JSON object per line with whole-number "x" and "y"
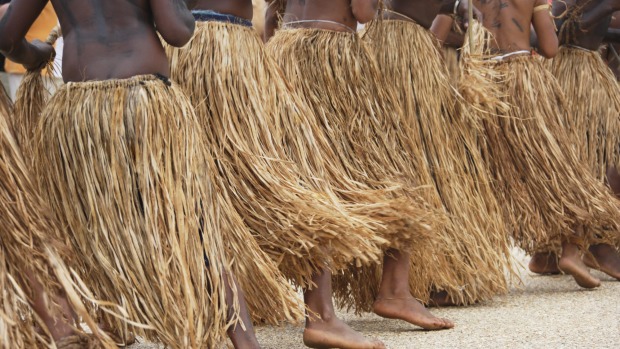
{"x": 412, "y": 311}
{"x": 336, "y": 334}
{"x": 604, "y": 258}
{"x": 441, "y": 299}
{"x": 117, "y": 337}
{"x": 579, "y": 271}
{"x": 545, "y": 263}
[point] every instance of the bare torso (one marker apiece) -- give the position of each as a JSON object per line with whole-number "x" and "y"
{"x": 509, "y": 22}
{"x": 103, "y": 39}
{"x": 571, "y": 34}
{"x": 109, "y": 39}
{"x": 239, "y": 8}
{"x": 422, "y": 12}
{"x": 338, "y": 11}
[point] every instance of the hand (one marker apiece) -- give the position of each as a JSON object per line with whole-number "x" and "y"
{"x": 43, "y": 54}
{"x": 463, "y": 12}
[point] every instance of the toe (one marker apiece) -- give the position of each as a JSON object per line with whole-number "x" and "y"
{"x": 378, "y": 345}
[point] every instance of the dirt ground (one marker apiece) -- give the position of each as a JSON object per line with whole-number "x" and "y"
{"x": 543, "y": 312}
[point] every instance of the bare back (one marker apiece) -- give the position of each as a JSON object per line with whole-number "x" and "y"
{"x": 422, "y": 12}
{"x": 339, "y": 11}
{"x": 104, "y": 39}
{"x": 239, "y": 8}
{"x": 571, "y": 32}
{"x": 510, "y": 20}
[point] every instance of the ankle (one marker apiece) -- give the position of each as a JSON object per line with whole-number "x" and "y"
{"x": 243, "y": 339}
{"x": 395, "y": 292}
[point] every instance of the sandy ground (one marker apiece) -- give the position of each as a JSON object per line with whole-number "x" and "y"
{"x": 543, "y": 312}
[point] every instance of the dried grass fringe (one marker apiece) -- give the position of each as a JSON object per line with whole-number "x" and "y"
{"x": 31, "y": 98}
{"x": 337, "y": 76}
{"x": 593, "y": 103}
{"x": 30, "y": 245}
{"x": 241, "y": 101}
{"x": 549, "y": 195}
{"x": 232, "y": 135}
{"x": 124, "y": 168}
{"x": 451, "y": 58}
{"x": 472, "y": 255}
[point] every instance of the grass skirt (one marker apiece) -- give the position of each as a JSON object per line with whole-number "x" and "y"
{"x": 371, "y": 143}
{"x": 547, "y": 191}
{"x": 472, "y": 258}
{"x": 123, "y": 166}
{"x": 29, "y": 245}
{"x": 593, "y": 101}
{"x": 451, "y": 57}
{"x": 239, "y": 94}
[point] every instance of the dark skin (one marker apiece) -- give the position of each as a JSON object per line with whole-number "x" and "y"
{"x": 598, "y": 11}
{"x": 510, "y": 21}
{"x": 570, "y": 31}
{"x": 346, "y": 12}
{"x": 603, "y": 257}
{"x": 103, "y": 39}
{"x": 394, "y": 300}
{"x": 612, "y": 53}
{"x": 435, "y": 16}
{"x": 107, "y": 39}
{"x": 239, "y": 8}
{"x": 425, "y": 12}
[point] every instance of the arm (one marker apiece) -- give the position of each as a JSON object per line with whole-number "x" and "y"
{"x": 604, "y": 9}
{"x": 3, "y": 9}
{"x": 462, "y": 10}
{"x": 173, "y": 20}
{"x": 364, "y": 10}
{"x": 441, "y": 27}
{"x": 545, "y": 32}
{"x": 613, "y": 35}
{"x": 19, "y": 17}
{"x": 271, "y": 19}
{"x": 560, "y": 10}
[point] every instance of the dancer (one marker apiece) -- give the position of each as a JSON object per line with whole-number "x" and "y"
{"x": 550, "y": 197}
{"x": 332, "y": 69}
{"x": 252, "y": 121}
{"x": 594, "y": 125}
{"x": 446, "y": 133}
{"x": 120, "y": 159}
{"x": 30, "y": 255}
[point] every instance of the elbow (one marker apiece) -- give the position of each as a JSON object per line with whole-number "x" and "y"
{"x": 365, "y": 11}
{"x": 6, "y": 43}
{"x": 364, "y": 16}
{"x": 181, "y": 37}
{"x": 548, "y": 52}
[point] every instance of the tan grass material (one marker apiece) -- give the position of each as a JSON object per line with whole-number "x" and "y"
{"x": 593, "y": 103}
{"x": 451, "y": 57}
{"x": 471, "y": 261}
{"x": 31, "y": 98}
{"x": 123, "y": 165}
{"x": 549, "y": 194}
{"x": 239, "y": 95}
{"x": 337, "y": 76}
{"x": 30, "y": 245}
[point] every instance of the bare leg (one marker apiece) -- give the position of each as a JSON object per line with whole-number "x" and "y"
{"x": 571, "y": 263}
{"x": 395, "y": 300}
{"x": 58, "y": 324}
{"x": 323, "y": 328}
{"x": 441, "y": 299}
{"x": 545, "y": 263}
{"x": 241, "y": 339}
{"x": 613, "y": 179}
{"x": 604, "y": 258}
